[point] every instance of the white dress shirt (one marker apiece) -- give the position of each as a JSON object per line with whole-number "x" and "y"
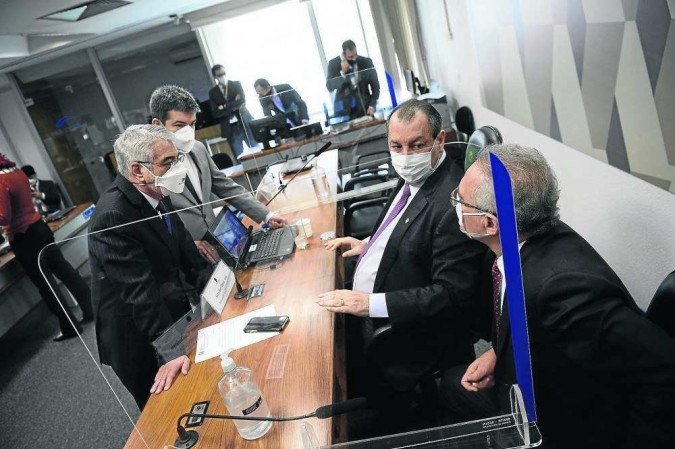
{"x": 153, "y": 201}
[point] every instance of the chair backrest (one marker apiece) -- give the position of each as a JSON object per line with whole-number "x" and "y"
{"x": 361, "y": 216}
{"x": 464, "y": 120}
{"x": 662, "y": 308}
{"x": 482, "y": 137}
{"x": 222, "y": 160}
{"x": 371, "y": 160}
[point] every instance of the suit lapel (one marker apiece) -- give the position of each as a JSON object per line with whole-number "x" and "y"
{"x": 504, "y": 329}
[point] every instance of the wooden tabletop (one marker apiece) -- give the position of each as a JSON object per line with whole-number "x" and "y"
{"x": 313, "y": 373}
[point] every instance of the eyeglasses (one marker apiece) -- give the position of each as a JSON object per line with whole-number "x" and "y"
{"x": 172, "y": 162}
{"x": 454, "y": 199}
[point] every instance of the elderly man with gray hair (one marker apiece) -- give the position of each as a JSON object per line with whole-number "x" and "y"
{"x": 145, "y": 266}
{"x": 604, "y": 376}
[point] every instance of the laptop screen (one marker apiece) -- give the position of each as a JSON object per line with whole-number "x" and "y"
{"x": 229, "y": 231}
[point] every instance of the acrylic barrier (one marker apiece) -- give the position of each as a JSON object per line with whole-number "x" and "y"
{"x": 170, "y": 334}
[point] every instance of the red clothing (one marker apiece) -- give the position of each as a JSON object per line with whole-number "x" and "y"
{"x": 17, "y": 212}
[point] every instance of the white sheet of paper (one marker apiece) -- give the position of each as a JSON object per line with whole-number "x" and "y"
{"x": 229, "y": 335}
{"x": 218, "y": 288}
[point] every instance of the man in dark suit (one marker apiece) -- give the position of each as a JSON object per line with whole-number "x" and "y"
{"x": 409, "y": 275}
{"x": 354, "y": 80}
{"x": 143, "y": 274}
{"x": 282, "y": 99}
{"x": 604, "y": 376}
{"x": 228, "y": 106}
{"x": 46, "y": 196}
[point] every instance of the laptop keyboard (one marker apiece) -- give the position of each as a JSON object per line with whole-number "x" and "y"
{"x": 268, "y": 245}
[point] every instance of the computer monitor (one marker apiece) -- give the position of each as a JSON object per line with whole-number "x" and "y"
{"x": 269, "y": 128}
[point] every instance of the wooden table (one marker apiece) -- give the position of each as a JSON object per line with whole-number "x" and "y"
{"x": 314, "y": 367}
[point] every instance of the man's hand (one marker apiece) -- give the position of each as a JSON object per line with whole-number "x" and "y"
{"x": 355, "y": 245}
{"x": 276, "y": 222}
{"x": 480, "y": 374}
{"x": 344, "y": 66}
{"x": 207, "y": 251}
{"x": 370, "y": 111}
{"x": 345, "y": 301}
{"x": 168, "y": 372}
{"x": 36, "y": 194}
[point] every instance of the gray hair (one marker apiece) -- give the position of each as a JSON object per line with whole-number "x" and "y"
{"x": 171, "y": 98}
{"x": 137, "y": 143}
{"x": 407, "y": 111}
{"x": 535, "y": 187}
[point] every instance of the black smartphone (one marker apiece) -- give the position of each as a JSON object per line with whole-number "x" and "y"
{"x": 266, "y": 324}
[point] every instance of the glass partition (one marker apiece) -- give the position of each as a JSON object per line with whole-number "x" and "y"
{"x": 161, "y": 310}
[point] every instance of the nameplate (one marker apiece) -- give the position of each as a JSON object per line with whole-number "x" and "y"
{"x": 218, "y": 288}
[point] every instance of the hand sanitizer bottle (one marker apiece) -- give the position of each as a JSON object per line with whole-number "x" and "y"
{"x": 243, "y": 398}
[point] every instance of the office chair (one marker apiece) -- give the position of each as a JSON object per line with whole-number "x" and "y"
{"x": 222, "y": 160}
{"x": 482, "y": 137}
{"x": 361, "y": 216}
{"x": 661, "y": 310}
{"x": 464, "y": 120}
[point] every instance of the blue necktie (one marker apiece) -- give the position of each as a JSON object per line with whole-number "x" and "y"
{"x": 161, "y": 208}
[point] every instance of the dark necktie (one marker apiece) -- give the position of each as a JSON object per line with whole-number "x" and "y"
{"x": 398, "y": 207}
{"x": 163, "y": 212}
{"x": 496, "y": 299}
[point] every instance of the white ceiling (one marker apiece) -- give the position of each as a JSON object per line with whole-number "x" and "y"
{"x": 20, "y": 18}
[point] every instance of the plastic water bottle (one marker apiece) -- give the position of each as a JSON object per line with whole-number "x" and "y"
{"x": 243, "y": 398}
{"x": 320, "y": 184}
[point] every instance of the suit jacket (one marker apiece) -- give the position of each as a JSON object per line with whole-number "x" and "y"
{"x": 430, "y": 273}
{"x": 52, "y": 195}
{"x": 294, "y": 106}
{"x": 143, "y": 278}
{"x": 604, "y": 375}
{"x": 223, "y": 109}
{"x": 349, "y": 100}
{"x": 215, "y": 185}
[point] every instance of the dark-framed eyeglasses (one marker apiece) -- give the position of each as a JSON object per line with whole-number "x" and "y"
{"x": 170, "y": 163}
{"x": 455, "y": 200}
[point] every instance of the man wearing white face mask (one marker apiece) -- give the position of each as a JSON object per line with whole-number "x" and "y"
{"x": 417, "y": 272}
{"x": 176, "y": 109}
{"x": 147, "y": 273}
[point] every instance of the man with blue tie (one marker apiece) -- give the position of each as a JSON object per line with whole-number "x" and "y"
{"x": 417, "y": 272}
{"x": 282, "y": 99}
{"x": 145, "y": 266}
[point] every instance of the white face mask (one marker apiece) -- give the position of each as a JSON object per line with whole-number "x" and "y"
{"x": 33, "y": 182}
{"x": 184, "y": 139}
{"x": 173, "y": 181}
{"x": 413, "y": 168}
{"x": 222, "y": 80}
{"x": 460, "y": 220}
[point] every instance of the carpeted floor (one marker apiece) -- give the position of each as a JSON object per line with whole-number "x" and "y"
{"x": 52, "y": 394}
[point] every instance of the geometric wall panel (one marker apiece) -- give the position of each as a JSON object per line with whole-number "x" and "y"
{"x": 597, "y": 76}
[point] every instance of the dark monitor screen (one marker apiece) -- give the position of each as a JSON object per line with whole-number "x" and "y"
{"x": 230, "y": 233}
{"x": 205, "y": 117}
{"x": 268, "y": 128}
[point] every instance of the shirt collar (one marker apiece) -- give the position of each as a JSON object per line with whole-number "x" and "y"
{"x": 500, "y": 259}
{"x": 153, "y": 201}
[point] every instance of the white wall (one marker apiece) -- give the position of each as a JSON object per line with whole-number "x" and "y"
{"x": 629, "y": 222}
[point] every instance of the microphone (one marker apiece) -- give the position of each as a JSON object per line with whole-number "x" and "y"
{"x": 316, "y": 154}
{"x": 242, "y": 292}
{"x": 188, "y": 438}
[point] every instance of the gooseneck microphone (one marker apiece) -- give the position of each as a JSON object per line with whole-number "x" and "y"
{"x": 316, "y": 154}
{"x": 188, "y": 438}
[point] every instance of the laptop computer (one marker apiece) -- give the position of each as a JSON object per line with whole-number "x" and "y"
{"x": 245, "y": 247}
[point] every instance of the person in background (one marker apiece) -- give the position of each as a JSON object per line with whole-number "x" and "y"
{"x": 228, "y": 106}
{"x": 281, "y": 99}
{"x": 176, "y": 109}
{"x": 28, "y": 235}
{"x": 354, "y": 81}
{"x": 145, "y": 275}
{"x": 417, "y": 272}
{"x": 604, "y": 375}
{"x": 46, "y": 196}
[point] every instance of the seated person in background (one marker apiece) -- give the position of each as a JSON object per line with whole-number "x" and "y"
{"x": 282, "y": 99}
{"x": 46, "y": 196}
{"x": 176, "y": 109}
{"x": 144, "y": 274}
{"x": 410, "y": 274}
{"x": 228, "y": 106}
{"x": 604, "y": 376}
{"x": 354, "y": 80}
{"x": 28, "y": 234}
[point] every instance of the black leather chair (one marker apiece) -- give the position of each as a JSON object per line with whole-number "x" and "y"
{"x": 222, "y": 160}
{"x": 360, "y": 216}
{"x": 479, "y": 139}
{"x": 464, "y": 120}
{"x": 662, "y": 308}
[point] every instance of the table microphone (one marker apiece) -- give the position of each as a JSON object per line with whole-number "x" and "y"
{"x": 316, "y": 154}
{"x": 188, "y": 438}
